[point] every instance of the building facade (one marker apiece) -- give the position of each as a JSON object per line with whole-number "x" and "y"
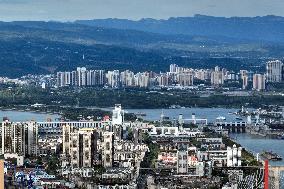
{"x": 258, "y": 82}
{"x": 234, "y": 155}
{"x": 274, "y": 71}
{"x": 217, "y": 77}
{"x": 19, "y": 138}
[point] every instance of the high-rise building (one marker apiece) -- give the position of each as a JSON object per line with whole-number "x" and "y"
{"x": 66, "y": 138}
{"x": 232, "y": 76}
{"x": 60, "y": 79}
{"x": 82, "y": 76}
{"x": 74, "y": 78}
{"x": 117, "y": 115}
{"x": 19, "y": 138}
{"x": 163, "y": 80}
{"x": 217, "y": 77}
{"x": 185, "y": 79}
{"x": 127, "y": 78}
{"x": 63, "y": 79}
{"x": 245, "y": 81}
{"x": 182, "y": 159}
{"x": 245, "y": 78}
{"x": 259, "y": 82}
{"x": 274, "y": 71}
{"x": 97, "y": 77}
{"x": 113, "y": 78}
{"x": 243, "y": 73}
{"x": 173, "y": 68}
{"x": 107, "y": 149}
{"x": 82, "y": 146}
{"x": 203, "y": 74}
{"x": 90, "y": 75}
{"x": 142, "y": 79}
{"x": 234, "y": 156}
{"x": 67, "y": 78}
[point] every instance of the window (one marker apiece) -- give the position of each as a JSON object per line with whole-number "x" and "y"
{"x": 74, "y": 143}
{"x": 107, "y": 146}
{"x": 107, "y": 158}
{"x": 87, "y": 155}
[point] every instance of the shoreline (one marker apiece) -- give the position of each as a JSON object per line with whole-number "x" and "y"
{"x": 29, "y": 111}
{"x": 255, "y": 145}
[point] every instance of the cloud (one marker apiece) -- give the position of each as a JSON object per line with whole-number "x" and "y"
{"x": 133, "y": 9}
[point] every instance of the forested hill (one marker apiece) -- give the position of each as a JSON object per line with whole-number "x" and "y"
{"x": 46, "y": 47}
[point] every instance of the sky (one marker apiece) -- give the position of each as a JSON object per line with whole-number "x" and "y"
{"x": 69, "y": 10}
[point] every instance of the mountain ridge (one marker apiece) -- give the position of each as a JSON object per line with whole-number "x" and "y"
{"x": 268, "y": 28}
{"x": 38, "y": 47}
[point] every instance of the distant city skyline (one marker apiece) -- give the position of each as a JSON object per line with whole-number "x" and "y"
{"x": 69, "y": 10}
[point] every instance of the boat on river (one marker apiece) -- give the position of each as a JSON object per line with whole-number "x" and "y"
{"x": 239, "y": 118}
{"x": 220, "y": 119}
{"x": 269, "y": 155}
{"x": 140, "y": 114}
{"x": 281, "y": 137}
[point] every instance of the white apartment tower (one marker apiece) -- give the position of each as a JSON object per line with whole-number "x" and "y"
{"x": 81, "y": 76}
{"x": 117, "y": 115}
{"x": 258, "y": 82}
{"x": 185, "y": 79}
{"x": 245, "y": 81}
{"x": 274, "y": 71}
{"x": 113, "y": 78}
{"x": 234, "y": 155}
{"x": 182, "y": 159}
{"x": 217, "y": 77}
{"x": 173, "y": 68}
{"x": 163, "y": 80}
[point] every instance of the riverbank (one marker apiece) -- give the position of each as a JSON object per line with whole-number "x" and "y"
{"x": 133, "y": 98}
{"x": 257, "y": 144}
{"x": 67, "y": 113}
{"x": 18, "y": 116}
{"x": 249, "y": 158}
{"x": 28, "y": 109}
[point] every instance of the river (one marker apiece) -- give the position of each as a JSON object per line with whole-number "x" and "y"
{"x": 257, "y": 144}
{"x": 210, "y": 113}
{"x": 16, "y": 116}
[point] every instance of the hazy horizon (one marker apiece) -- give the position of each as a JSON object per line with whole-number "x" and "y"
{"x": 63, "y": 21}
{"x": 70, "y": 10}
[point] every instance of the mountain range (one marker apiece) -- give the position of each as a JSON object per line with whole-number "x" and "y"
{"x": 267, "y": 28}
{"x": 201, "y": 41}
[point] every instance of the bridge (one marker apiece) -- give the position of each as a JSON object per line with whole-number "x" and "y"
{"x": 232, "y": 127}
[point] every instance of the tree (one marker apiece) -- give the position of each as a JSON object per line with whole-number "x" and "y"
{"x": 130, "y": 134}
{"x": 53, "y": 164}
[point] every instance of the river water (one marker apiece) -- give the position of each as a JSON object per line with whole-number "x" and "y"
{"x": 257, "y": 144}
{"x": 210, "y": 113}
{"x": 16, "y": 116}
